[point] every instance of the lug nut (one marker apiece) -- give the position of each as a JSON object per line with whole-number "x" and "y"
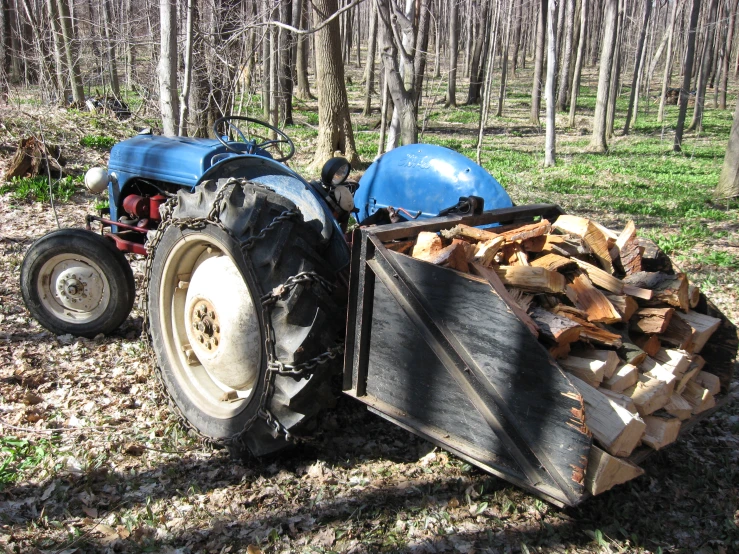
{"x": 201, "y": 338}
{"x": 216, "y": 328}
{"x": 212, "y": 315}
{"x": 215, "y": 341}
{"x": 207, "y": 345}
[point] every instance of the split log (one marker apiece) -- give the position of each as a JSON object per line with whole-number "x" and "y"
{"x": 499, "y": 288}
{"x": 624, "y": 377}
{"x": 678, "y": 407}
{"x": 512, "y": 254}
{"x": 651, "y": 320}
{"x": 532, "y": 279}
{"x": 467, "y": 232}
{"x": 527, "y": 232}
{"x": 485, "y": 251}
{"x": 590, "y": 331}
{"x": 34, "y": 157}
{"x": 612, "y": 284}
{"x": 668, "y": 289}
{"x": 586, "y": 297}
{"x": 590, "y": 371}
{"x": 590, "y": 234}
{"x": 559, "y": 351}
{"x": 649, "y": 343}
{"x": 625, "y": 305}
{"x": 543, "y": 243}
{"x": 402, "y": 247}
{"x": 627, "y": 350}
{"x": 649, "y": 394}
{"x": 556, "y": 328}
{"x": 661, "y": 431}
{"x": 698, "y": 397}
{"x": 629, "y": 250}
{"x": 663, "y": 374}
{"x": 553, "y": 262}
{"x": 608, "y": 357}
{"x": 652, "y": 258}
{"x": 677, "y": 361}
{"x": 605, "y": 471}
{"x": 695, "y": 367}
{"x": 703, "y": 327}
{"x": 694, "y": 294}
{"x": 708, "y": 381}
{"x": 620, "y": 399}
{"x": 616, "y": 429}
{"x": 679, "y": 334}
{"x": 427, "y": 246}
{"x": 453, "y": 256}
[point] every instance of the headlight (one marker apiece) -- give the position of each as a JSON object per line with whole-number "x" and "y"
{"x": 335, "y": 171}
{"x": 96, "y": 179}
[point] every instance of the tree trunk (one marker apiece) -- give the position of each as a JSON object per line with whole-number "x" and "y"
{"x": 541, "y": 31}
{"x": 564, "y": 80}
{"x": 700, "y": 94}
{"x": 687, "y": 74}
{"x": 727, "y": 55}
{"x": 668, "y": 64}
{"x": 517, "y": 33}
{"x": 451, "y": 91}
{"x": 549, "y": 149}
{"x": 728, "y": 181}
{"x": 70, "y": 49}
{"x": 578, "y": 63}
{"x": 301, "y": 58}
{"x": 637, "y": 64}
{"x": 598, "y": 141}
{"x": 187, "y": 77}
{"x": 266, "y": 61}
{"x": 488, "y": 78}
{"x": 419, "y": 56}
{"x": 504, "y": 60}
{"x": 110, "y": 50}
{"x": 613, "y": 92}
{"x": 369, "y": 67}
{"x": 285, "y": 64}
{"x": 4, "y": 41}
{"x": 478, "y": 53}
{"x": 334, "y": 125}
{"x": 61, "y": 78}
{"x": 168, "y": 66}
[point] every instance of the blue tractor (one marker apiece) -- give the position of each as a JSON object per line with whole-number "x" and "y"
{"x": 254, "y": 293}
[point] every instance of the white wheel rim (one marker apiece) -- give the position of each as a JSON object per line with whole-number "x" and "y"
{"x": 73, "y": 288}
{"x": 218, "y": 380}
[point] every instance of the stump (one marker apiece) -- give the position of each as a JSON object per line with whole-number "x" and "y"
{"x": 31, "y": 159}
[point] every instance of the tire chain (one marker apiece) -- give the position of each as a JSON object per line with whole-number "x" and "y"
{"x": 274, "y": 365}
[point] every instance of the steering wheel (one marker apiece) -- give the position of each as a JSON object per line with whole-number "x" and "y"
{"x": 258, "y": 142}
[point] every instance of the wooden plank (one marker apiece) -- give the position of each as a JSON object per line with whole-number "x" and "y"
{"x": 590, "y": 234}
{"x": 532, "y": 279}
{"x": 605, "y": 471}
{"x": 703, "y": 327}
{"x": 651, "y": 320}
{"x": 499, "y": 288}
{"x": 586, "y": 297}
{"x": 616, "y": 429}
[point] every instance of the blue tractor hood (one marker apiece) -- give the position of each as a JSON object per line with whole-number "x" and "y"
{"x": 180, "y": 160}
{"x": 425, "y": 178}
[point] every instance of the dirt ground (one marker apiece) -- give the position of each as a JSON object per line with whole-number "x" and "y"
{"x": 107, "y": 468}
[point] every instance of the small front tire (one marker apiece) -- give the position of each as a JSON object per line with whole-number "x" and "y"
{"x": 76, "y": 282}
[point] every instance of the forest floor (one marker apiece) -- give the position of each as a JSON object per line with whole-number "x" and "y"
{"x": 92, "y": 460}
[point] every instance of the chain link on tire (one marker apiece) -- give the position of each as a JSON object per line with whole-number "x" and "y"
{"x": 274, "y": 365}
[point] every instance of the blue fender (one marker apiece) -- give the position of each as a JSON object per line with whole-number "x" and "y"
{"x": 425, "y": 178}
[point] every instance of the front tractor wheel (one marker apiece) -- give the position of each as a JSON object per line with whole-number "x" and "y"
{"x": 211, "y": 330}
{"x": 76, "y": 282}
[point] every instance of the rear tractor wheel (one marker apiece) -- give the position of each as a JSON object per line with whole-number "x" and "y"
{"x": 220, "y": 287}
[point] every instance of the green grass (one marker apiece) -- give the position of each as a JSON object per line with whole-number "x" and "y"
{"x": 19, "y": 457}
{"x": 37, "y": 188}
{"x": 100, "y": 142}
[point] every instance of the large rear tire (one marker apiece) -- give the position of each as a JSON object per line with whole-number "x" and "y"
{"x": 209, "y": 328}
{"x": 76, "y": 282}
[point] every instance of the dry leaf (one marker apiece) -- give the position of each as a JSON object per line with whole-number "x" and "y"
{"x": 134, "y": 449}
{"x": 31, "y": 398}
{"x": 251, "y": 549}
{"x": 92, "y": 512}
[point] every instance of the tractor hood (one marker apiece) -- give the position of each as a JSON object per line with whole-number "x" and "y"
{"x": 425, "y": 178}
{"x": 180, "y": 160}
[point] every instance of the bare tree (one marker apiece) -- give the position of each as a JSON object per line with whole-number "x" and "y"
{"x": 110, "y": 49}
{"x": 728, "y": 181}
{"x": 541, "y": 30}
{"x": 168, "y": 66}
{"x": 70, "y": 50}
{"x": 369, "y": 68}
{"x": 504, "y": 60}
{"x": 301, "y": 56}
{"x": 727, "y": 54}
{"x": 687, "y": 75}
{"x": 564, "y": 81}
{"x": 451, "y": 91}
{"x": 637, "y": 64}
{"x": 703, "y": 73}
{"x": 598, "y": 142}
{"x": 578, "y": 63}
{"x": 334, "y": 125}
{"x": 549, "y": 149}
{"x": 668, "y": 62}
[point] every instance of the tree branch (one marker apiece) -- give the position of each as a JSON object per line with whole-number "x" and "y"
{"x": 314, "y": 29}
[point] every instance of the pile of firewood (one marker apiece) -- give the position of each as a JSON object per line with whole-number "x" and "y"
{"x": 615, "y": 315}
